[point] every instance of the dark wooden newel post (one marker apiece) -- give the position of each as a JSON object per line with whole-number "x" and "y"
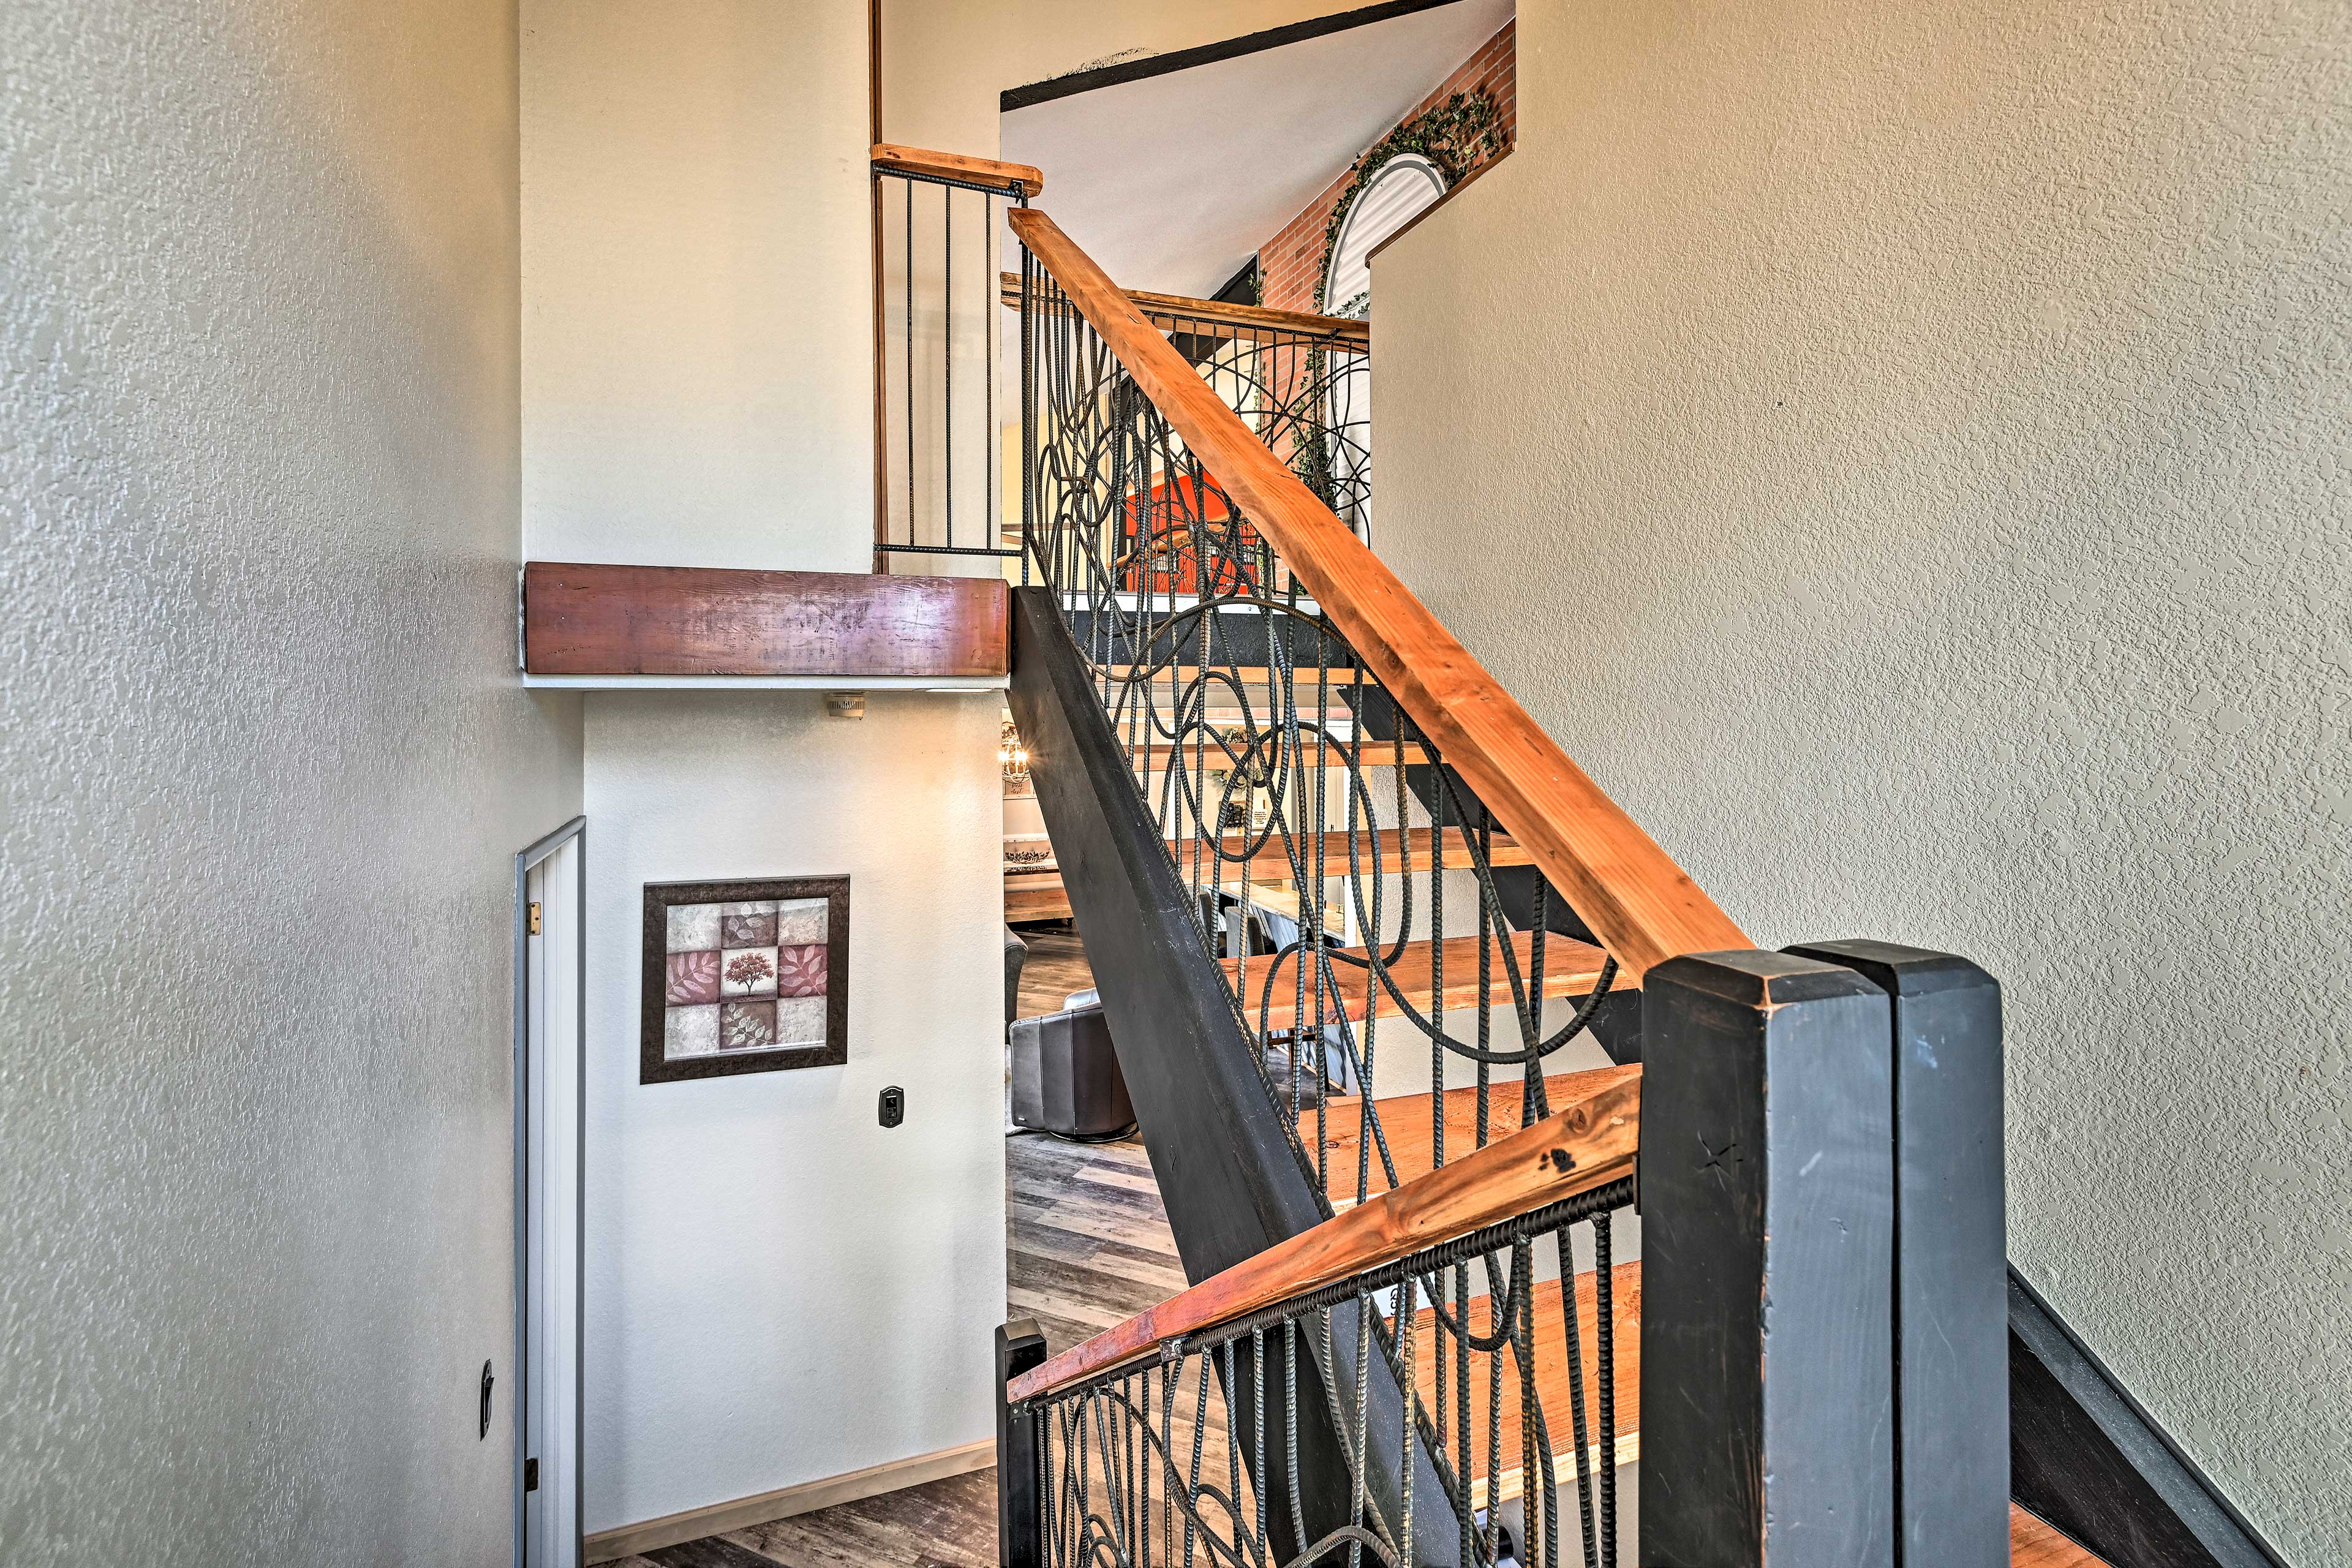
{"x": 1951, "y": 1325}
{"x": 1020, "y": 1539}
{"x": 1766, "y": 1194}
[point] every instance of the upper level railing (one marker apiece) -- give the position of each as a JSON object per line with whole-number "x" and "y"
{"x": 938, "y": 481}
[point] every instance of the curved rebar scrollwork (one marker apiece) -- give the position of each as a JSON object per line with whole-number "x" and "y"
{"x": 1317, "y": 826}
{"x": 1162, "y": 1463}
{"x": 1337, "y": 865}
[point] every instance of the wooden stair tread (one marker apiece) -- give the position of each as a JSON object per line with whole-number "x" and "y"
{"x": 1272, "y": 859}
{"x": 1039, "y": 895}
{"x": 1571, "y": 968}
{"x": 2034, "y": 1543}
{"x": 1552, "y": 1385}
{"x": 1333, "y": 754}
{"x": 1409, "y": 1128}
{"x": 1340, "y": 677}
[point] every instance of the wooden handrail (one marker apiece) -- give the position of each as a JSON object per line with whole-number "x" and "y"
{"x": 891, "y": 158}
{"x": 1642, "y": 906}
{"x": 1249, "y": 324}
{"x": 1583, "y": 1146}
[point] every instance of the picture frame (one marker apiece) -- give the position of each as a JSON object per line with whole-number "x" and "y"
{"x": 743, "y": 976}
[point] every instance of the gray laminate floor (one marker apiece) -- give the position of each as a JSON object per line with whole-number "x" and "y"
{"x": 1087, "y": 1245}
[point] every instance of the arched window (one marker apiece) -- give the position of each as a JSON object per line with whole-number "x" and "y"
{"x": 1393, "y": 198}
{"x": 1405, "y": 186}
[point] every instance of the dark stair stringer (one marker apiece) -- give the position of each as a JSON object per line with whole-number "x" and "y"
{"x": 2088, "y": 1459}
{"x": 1229, "y": 1173}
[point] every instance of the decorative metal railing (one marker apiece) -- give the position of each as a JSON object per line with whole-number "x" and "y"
{"x": 1416, "y": 904}
{"x": 1300, "y": 383}
{"x": 1157, "y": 1462}
{"x": 1365, "y": 903}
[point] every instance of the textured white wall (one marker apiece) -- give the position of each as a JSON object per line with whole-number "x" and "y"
{"x": 697, "y": 304}
{"x": 780, "y": 1290}
{"x": 1901, "y": 454}
{"x": 265, "y": 768}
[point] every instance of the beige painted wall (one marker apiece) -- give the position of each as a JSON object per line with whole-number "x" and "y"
{"x": 1901, "y": 454}
{"x": 778, "y": 1290}
{"x": 265, "y": 770}
{"x": 698, "y": 327}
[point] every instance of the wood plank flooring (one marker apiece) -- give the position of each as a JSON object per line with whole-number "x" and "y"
{"x": 1056, "y": 965}
{"x": 1086, "y": 1243}
{"x": 946, "y": 1524}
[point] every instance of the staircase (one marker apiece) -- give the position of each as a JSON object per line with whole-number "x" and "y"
{"x": 1417, "y": 1021}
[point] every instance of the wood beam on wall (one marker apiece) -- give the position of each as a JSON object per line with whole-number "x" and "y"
{"x": 583, "y": 619}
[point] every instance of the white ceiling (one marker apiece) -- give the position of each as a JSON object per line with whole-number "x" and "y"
{"x": 1171, "y": 182}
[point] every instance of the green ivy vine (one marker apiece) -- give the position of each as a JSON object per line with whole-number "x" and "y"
{"x": 1456, "y": 135}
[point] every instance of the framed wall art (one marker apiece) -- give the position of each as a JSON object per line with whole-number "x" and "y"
{"x": 744, "y": 977}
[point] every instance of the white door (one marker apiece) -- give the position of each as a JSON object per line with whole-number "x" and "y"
{"x": 548, "y": 1276}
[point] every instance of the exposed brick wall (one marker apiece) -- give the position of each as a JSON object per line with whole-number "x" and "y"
{"x": 1292, "y": 261}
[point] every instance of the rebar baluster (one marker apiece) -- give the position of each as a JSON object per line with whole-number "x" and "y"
{"x": 1604, "y": 1340}
{"x": 910, "y": 362}
{"x": 1486, "y": 1000}
{"x": 946, "y": 337}
{"x": 1360, "y": 1459}
{"x": 1257, "y": 1436}
{"x": 1290, "y": 1426}
{"x": 1408, "y": 1323}
{"x": 1462, "y": 1400}
{"x": 1232, "y": 1434}
{"x": 991, "y": 484}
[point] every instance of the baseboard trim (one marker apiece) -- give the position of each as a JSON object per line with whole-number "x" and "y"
{"x": 713, "y": 1519}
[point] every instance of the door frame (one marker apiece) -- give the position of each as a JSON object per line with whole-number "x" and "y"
{"x": 574, "y": 833}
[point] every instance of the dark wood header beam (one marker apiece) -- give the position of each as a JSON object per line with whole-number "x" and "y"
{"x": 693, "y": 620}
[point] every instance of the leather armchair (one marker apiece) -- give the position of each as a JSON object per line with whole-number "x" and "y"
{"x": 1065, "y": 1076}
